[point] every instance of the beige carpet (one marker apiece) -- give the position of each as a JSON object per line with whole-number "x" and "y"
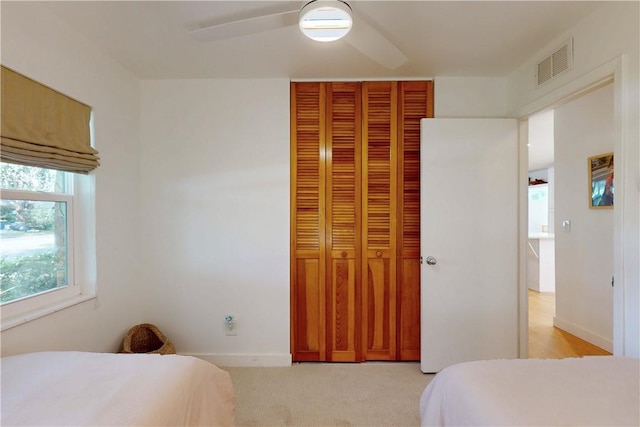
{"x": 324, "y": 394}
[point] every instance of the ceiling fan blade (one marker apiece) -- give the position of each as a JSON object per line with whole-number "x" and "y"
{"x": 369, "y": 41}
{"x": 243, "y": 27}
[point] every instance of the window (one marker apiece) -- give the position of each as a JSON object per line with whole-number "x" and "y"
{"x": 47, "y": 217}
{"x": 36, "y": 238}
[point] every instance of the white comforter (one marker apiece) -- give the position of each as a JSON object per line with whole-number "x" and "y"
{"x": 93, "y": 389}
{"x": 591, "y": 391}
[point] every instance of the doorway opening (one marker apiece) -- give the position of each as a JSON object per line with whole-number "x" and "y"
{"x": 570, "y": 298}
{"x": 541, "y": 233}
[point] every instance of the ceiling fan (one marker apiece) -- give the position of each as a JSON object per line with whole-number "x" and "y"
{"x": 322, "y": 20}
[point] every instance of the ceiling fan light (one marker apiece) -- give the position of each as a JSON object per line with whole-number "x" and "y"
{"x": 325, "y": 20}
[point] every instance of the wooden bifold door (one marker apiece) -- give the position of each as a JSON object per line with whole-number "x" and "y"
{"x": 355, "y": 219}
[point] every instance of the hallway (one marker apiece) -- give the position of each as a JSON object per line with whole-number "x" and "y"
{"x": 549, "y": 342}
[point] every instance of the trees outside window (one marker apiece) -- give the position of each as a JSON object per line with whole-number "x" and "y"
{"x": 36, "y": 210}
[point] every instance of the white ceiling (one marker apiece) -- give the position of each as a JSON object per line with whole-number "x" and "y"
{"x": 440, "y": 38}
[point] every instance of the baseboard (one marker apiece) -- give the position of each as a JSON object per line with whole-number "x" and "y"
{"x": 573, "y": 329}
{"x": 244, "y": 360}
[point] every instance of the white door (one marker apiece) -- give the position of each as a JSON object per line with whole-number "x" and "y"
{"x": 469, "y": 229}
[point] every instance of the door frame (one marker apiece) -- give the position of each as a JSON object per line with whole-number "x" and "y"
{"x": 614, "y": 72}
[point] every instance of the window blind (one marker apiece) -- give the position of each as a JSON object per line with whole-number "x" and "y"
{"x": 44, "y": 128}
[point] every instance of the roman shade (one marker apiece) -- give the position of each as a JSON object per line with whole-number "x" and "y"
{"x": 44, "y": 128}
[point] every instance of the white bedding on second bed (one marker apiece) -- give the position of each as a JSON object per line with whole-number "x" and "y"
{"x": 590, "y": 391}
{"x": 93, "y": 389}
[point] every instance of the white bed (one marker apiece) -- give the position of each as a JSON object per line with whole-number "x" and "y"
{"x": 589, "y": 391}
{"x": 106, "y": 389}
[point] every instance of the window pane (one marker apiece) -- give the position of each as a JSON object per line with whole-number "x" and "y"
{"x": 28, "y": 178}
{"x": 33, "y": 248}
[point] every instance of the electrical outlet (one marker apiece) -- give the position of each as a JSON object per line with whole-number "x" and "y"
{"x": 230, "y": 326}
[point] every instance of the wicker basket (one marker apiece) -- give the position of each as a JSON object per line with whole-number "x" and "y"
{"x": 147, "y": 338}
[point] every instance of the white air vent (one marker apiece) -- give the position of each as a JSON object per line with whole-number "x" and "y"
{"x": 555, "y": 64}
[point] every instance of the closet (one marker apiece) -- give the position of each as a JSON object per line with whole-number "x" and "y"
{"x": 355, "y": 219}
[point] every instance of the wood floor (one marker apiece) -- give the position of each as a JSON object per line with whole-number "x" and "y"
{"x": 549, "y": 342}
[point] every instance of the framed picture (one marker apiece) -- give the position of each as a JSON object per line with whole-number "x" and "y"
{"x": 600, "y": 172}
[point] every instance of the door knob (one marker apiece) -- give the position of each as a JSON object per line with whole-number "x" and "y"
{"x": 431, "y": 260}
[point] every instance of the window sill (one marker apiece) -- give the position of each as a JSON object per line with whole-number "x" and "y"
{"x": 21, "y": 319}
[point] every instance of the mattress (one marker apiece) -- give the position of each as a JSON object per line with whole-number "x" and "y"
{"x": 589, "y": 391}
{"x": 106, "y": 389}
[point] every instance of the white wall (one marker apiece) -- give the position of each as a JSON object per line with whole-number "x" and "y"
{"x": 551, "y": 174}
{"x": 36, "y": 44}
{"x": 606, "y": 43}
{"x": 215, "y": 216}
{"x": 584, "y": 255}
{"x": 540, "y": 142}
{"x": 215, "y": 209}
{"x": 470, "y": 97}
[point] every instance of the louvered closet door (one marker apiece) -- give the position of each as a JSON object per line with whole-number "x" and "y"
{"x": 355, "y": 219}
{"x": 308, "y": 277}
{"x": 415, "y": 101}
{"x": 343, "y": 194}
{"x": 379, "y": 201}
